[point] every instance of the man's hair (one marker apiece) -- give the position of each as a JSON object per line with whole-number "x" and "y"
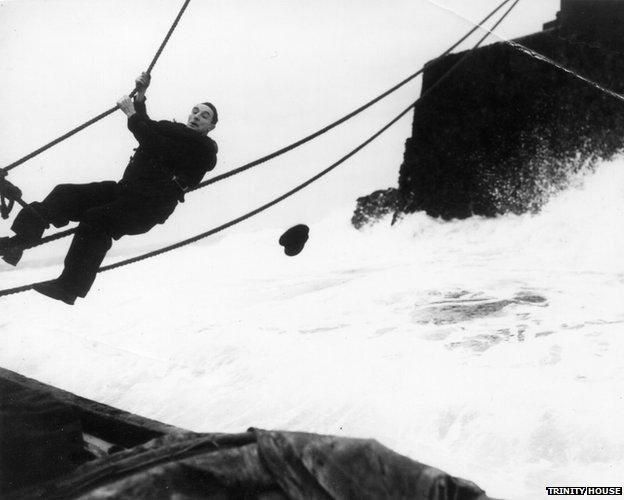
{"x": 215, "y": 115}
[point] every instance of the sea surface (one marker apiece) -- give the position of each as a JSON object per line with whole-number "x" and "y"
{"x": 491, "y": 348}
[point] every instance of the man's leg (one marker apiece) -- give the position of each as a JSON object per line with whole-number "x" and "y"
{"x": 66, "y": 202}
{"x": 92, "y": 241}
{"x": 87, "y": 251}
{"x": 129, "y": 214}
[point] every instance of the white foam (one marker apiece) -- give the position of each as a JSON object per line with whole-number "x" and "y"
{"x": 491, "y": 348}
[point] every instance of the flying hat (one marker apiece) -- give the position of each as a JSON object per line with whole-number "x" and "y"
{"x": 294, "y": 239}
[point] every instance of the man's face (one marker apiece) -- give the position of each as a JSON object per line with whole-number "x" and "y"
{"x": 200, "y": 119}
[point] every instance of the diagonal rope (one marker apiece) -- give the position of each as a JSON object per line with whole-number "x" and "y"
{"x": 169, "y": 33}
{"x": 543, "y": 58}
{"x": 296, "y": 189}
{"x": 308, "y": 138}
{"x": 540, "y": 57}
{"x": 105, "y": 113}
{"x": 349, "y": 115}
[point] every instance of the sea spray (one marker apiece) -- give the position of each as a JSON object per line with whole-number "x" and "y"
{"x": 491, "y": 348}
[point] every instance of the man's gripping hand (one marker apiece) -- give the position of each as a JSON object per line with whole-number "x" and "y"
{"x": 126, "y": 105}
{"x": 141, "y": 83}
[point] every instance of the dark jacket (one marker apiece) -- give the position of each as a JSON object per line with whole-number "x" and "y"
{"x": 166, "y": 149}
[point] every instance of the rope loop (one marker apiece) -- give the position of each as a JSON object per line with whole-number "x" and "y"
{"x": 294, "y": 190}
{"x": 8, "y": 194}
{"x": 283, "y": 150}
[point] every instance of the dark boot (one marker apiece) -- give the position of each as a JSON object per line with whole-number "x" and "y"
{"x": 28, "y": 227}
{"x": 10, "y": 250}
{"x": 55, "y": 290}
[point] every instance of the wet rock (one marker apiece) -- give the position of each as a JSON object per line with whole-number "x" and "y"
{"x": 506, "y": 131}
{"x": 371, "y": 208}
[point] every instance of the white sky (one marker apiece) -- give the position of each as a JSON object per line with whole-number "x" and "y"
{"x": 276, "y": 69}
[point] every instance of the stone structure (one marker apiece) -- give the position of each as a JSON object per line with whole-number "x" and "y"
{"x": 506, "y": 130}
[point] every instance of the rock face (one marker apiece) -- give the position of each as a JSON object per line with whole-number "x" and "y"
{"x": 375, "y": 206}
{"x": 506, "y": 130}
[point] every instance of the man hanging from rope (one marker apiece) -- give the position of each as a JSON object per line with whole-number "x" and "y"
{"x": 170, "y": 159}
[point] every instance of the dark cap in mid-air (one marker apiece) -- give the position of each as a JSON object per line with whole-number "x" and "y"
{"x": 294, "y": 239}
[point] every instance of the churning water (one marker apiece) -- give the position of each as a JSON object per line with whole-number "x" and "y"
{"x": 491, "y": 348}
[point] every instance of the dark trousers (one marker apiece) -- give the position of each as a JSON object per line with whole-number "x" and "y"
{"x": 105, "y": 211}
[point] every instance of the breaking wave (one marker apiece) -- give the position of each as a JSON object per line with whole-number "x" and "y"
{"x": 491, "y": 348}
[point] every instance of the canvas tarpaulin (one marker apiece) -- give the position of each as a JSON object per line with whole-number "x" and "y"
{"x": 258, "y": 464}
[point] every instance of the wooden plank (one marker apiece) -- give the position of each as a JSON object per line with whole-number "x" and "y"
{"x": 100, "y": 420}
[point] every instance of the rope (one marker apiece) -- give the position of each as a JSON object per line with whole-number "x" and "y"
{"x": 540, "y": 57}
{"x": 347, "y": 116}
{"x": 164, "y": 42}
{"x": 105, "y": 113}
{"x": 543, "y": 58}
{"x": 327, "y": 128}
{"x": 296, "y": 189}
